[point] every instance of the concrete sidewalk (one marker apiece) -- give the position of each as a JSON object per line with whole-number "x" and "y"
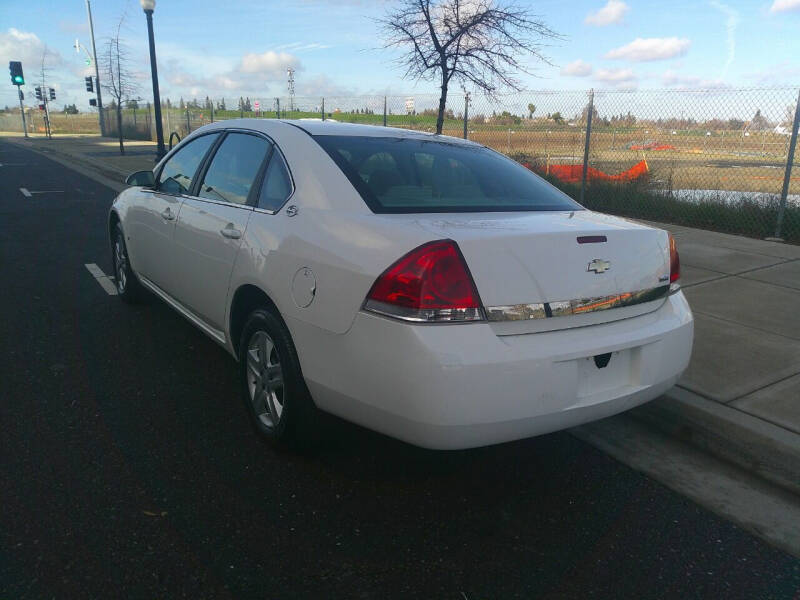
{"x": 94, "y": 153}
{"x": 739, "y": 398}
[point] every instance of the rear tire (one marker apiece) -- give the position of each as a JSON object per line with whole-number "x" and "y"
{"x": 125, "y": 280}
{"x": 273, "y": 388}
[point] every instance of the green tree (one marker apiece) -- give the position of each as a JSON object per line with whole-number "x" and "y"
{"x": 531, "y": 110}
{"x": 557, "y": 118}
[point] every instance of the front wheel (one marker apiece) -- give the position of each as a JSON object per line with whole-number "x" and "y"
{"x": 128, "y": 286}
{"x": 273, "y": 387}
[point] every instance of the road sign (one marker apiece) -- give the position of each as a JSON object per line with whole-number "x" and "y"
{"x": 257, "y": 105}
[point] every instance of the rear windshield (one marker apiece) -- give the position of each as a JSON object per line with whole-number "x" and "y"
{"x": 407, "y": 175}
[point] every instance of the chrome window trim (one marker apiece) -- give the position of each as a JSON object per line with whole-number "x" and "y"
{"x": 578, "y": 306}
{"x": 219, "y": 202}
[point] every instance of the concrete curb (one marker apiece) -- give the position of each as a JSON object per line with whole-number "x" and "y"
{"x": 769, "y": 451}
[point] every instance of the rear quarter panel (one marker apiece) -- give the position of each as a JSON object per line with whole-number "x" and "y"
{"x": 334, "y": 234}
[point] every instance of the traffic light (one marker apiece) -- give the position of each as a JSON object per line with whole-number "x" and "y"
{"x": 38, "y": 91}
{"x": 52, "y": 94}
{"x": 92, "y": 101}
{"x": 41, "y": 107}
{"x": 15, "y": 69}
{"x": 89, "y": 84}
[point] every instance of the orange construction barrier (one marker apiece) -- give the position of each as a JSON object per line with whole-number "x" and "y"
{"x": 652, "y": 147}
{"x": 574, "y": 173}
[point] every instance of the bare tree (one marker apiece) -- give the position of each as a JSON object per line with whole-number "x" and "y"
{"x": 118, "y": 77}
{"x": 476, "y": 42}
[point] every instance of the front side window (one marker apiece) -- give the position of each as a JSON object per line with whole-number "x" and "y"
{"x": 178, "y": 172}
{"x": 234, "y": 168}
{"x": 277, "y": 184}
{"x": 408, "y": 175}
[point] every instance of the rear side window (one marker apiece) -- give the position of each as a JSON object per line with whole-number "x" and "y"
{"x": 178, "y": 172}
{"x": 234, "y": 168}
{"x": 277, "y": 184}
{"x": 407, "y": 175}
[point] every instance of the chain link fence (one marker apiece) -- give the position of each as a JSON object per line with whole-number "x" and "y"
{"x": 713, "y": 159}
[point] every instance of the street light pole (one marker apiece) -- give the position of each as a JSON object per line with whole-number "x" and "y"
{"x": 148, "y": 6}
{"x": 96, "y": 72}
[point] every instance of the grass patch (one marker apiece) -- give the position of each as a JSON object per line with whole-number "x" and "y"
{"x": 741, "y": 215}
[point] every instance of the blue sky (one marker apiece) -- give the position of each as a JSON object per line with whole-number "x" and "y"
{"x": 243, "y": 47}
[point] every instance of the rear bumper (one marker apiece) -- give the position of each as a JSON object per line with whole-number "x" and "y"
{"x": 460, "y": 386}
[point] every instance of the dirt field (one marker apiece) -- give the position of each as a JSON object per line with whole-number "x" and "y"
{"x": 722, "y": 161}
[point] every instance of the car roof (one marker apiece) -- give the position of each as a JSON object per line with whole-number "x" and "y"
{"x": 327, "y": 127}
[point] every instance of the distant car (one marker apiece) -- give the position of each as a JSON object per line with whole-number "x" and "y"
{"x": 422, "y": 286}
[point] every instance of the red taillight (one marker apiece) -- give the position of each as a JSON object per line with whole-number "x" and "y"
{"x": 674, "y": 261}
{"x": 430, "y": 283}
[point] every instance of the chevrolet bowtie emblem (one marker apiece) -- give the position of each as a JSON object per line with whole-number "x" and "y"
{"x": 599, "y": 266}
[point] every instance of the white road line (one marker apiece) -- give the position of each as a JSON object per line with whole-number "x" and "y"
{"x": 27, "y": 193}
{"x": 106, "y": 282}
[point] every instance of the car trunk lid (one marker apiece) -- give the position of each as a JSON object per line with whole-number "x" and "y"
{"x": 560, "y": 260}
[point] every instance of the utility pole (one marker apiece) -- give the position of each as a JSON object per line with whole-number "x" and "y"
{"x": 96, "y": 72}
{"x": 290, "y": 73}
{"x": 46, "y": 100}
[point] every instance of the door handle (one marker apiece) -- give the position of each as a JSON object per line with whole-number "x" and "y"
{"x": 231, "y": 233}
{"x": 167, "y": 214}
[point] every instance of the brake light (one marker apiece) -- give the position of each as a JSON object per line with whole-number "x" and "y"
{"x": 674, "y": 261}
{"x": 431, "y": 283}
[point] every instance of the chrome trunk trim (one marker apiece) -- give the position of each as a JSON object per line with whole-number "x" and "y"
{"x": 579, "y": 306}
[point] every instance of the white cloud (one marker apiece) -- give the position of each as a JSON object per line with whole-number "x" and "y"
{"x": 674, "y": 79}
{"x": 611, "y": 13}
{"x": 27, "y": 48}
{"x": 784, "y": 6}
{"x": 646, "y": 49}
{"x": 577, "y": 68}
{"x": 301, "y": 46}
{"x": 783, "y": 73}
{"x": 619, "y": 78}
{"x": 268, "y": 64}
{"x": 321, "y": 85}
{"x": 731, "y": 23}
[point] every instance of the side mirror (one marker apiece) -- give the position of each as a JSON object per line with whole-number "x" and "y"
{"x": 142, "y": 178}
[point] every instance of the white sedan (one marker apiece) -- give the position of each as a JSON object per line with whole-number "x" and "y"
{"x": 422, "y": 286}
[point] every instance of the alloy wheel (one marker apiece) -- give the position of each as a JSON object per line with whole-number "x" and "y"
{"x": 120, "y": 264}
{"x": 265, "y": 379}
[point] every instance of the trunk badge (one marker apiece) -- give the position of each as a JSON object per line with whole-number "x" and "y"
{"x": 599, "y": 266}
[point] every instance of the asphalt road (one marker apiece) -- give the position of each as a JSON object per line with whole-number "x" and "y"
{"x": 128, "y": 467}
